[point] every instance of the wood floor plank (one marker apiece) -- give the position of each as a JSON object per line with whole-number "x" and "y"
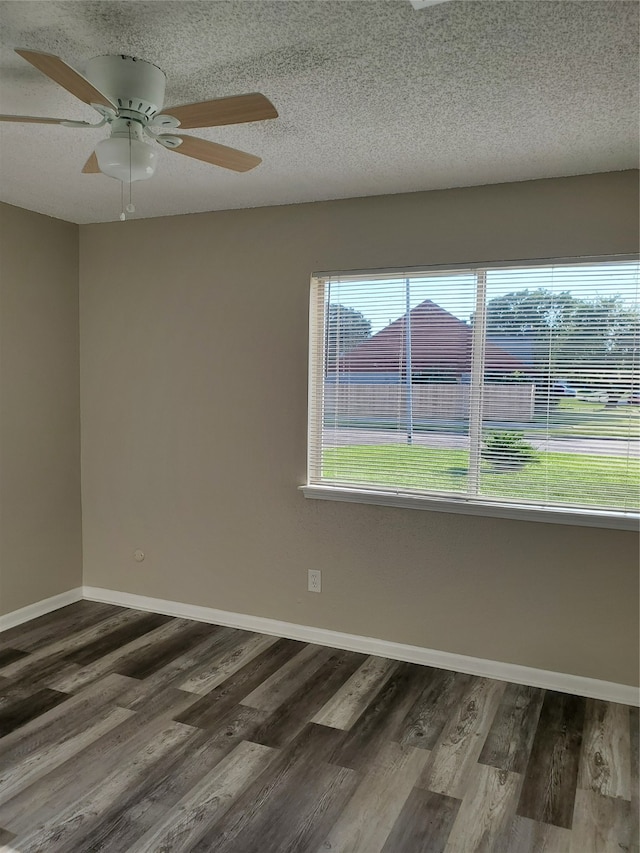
{"x": 111, "y": 640}
{"x": 297, "y": 818}
{"x": 286, "y": 722}
{"x": 9, "y": 655}
{"x": 350, "y": 701}
{"x": 105, "y": 751}
{"x": 442, "y": 693}
{"x": 462, "y": 739}
{"x": 37, "y": 677}
{"x": 176, "y": 670}
{"x": 208, "y": 710}
{"x": 122, "y": 824}
{"x": 605, "y": 761}
{"x": 601, "y": 824}
{"x": 55, "y": 652}
{"x": 69, "y": 830}
{"x": 530, "y": 836}
{"x": 372, "y": 811}
{"x": 57, "y": 790}
{"x": 63, "y": 622}
{"x": 24, "y": 773}
{"x": 58, "y": 721}
{"x": 15, "y": 714}
{"x": 510, "y": 739}
{"x": 149, "y": 659}
{"x": 304, "y": 796}
{"x": 486, "y": 811}
{"x": 551, "y": 778}
{"x": 382, "y": 719}
{"x": 244, "y": 648}
{"x": 5, "y": 841}
{"x": 116, "y": 659}
{"x": 271, "y": 693}
{"x": 50, "y": 666}
{"x": 424, "y": 824}
{"x": 207, "y": 802}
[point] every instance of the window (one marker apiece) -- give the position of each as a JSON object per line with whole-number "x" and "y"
{"x": 508, "y": 390}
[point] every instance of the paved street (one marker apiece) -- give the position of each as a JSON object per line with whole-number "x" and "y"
{"x": 454, "y": 441}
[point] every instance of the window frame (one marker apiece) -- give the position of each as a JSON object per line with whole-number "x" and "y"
{"x": 464, "y": 505}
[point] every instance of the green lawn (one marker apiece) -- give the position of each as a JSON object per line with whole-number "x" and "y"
{"x": 581, "y": 419}
{"x": 556, "y": 477}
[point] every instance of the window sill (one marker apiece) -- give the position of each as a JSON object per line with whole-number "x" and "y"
{"x": 522, "y": 512}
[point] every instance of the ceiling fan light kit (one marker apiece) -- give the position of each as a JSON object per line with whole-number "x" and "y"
{"x": 125, "y": 155}
{"x": 129, "y": 93}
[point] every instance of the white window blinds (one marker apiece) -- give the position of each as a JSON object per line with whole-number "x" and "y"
{"x": 507, "y": 384}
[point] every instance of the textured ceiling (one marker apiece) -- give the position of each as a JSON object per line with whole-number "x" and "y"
{"x": 374, "y": 97}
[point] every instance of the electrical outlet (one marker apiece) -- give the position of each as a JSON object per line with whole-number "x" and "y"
{"x": 315, "y": 580}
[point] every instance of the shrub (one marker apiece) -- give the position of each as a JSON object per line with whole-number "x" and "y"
{"x": 507, "y": 449}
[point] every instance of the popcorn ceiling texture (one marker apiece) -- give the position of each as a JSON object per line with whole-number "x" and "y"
{"x": 374, "y": 97}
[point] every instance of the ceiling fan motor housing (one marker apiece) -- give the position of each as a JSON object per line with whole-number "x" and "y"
{"x": 135, "y": 86}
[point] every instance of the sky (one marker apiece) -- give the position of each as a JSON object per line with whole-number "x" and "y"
{"x": 383, "y": 301}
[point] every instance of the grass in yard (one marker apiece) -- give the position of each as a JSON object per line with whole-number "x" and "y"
{"x": 580, "y": 419}
{"x": 555, "y": 477}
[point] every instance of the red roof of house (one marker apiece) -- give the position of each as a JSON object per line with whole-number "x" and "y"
{"x": 439, "y": 341}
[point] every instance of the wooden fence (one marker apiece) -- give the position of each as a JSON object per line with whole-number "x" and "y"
{"x": 502, "y": 401}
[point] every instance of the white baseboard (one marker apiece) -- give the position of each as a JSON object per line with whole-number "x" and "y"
{"x": 39, "y": 608}
{"x": 564, "y": 683}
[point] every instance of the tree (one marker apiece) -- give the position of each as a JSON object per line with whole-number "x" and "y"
{"x": 345, "y": 329}
{"x": 593, "y": 342}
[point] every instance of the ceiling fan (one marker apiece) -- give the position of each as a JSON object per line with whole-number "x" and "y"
{"x": 129, "y": 94}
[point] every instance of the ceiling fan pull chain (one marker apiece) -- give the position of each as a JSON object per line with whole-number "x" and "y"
{"x": 130, "y": 207}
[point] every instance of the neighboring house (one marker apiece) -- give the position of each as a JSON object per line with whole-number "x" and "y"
{"x": 441, "y": 346}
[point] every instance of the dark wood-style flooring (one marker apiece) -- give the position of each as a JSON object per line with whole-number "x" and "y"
{"x": 128, "y": 731}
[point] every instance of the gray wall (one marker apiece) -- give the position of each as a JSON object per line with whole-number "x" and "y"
{"x": 40, "y": 518}
{"x": 194, "y": 386}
